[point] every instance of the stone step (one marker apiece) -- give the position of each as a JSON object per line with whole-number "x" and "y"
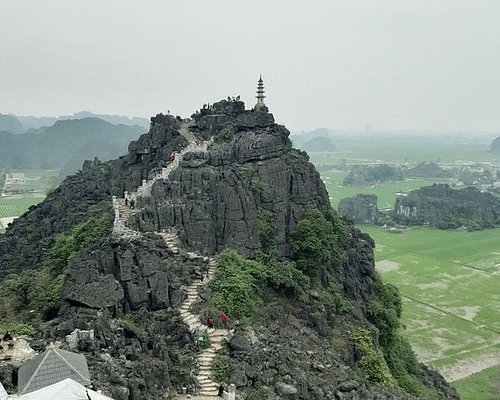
{"x": 206, "y": 388}
{"x": 209, "y": 385}
{"x": 205, "y": 360}
{"x": 211, "y": 393}
{"x": 205, "y": 379}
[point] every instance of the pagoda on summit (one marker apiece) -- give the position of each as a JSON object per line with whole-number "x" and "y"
{"x": 260, "y": 106}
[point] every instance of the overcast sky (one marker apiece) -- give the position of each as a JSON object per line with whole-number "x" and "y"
{"x": 392, "y": 64}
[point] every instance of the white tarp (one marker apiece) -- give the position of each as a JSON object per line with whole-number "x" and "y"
{"x": 67, "y": 389}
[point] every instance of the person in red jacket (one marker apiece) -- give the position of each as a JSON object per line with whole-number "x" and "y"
{"x": 210, "y": 322}
{"x": 223, "y": 319}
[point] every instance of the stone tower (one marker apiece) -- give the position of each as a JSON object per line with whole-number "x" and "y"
{"x": 260, "y": 106}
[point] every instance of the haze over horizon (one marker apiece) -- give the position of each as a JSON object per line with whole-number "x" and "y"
{"x": 392, "y": 64}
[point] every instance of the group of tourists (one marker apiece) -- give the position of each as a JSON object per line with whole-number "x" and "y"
{"x": 222, "y": 319}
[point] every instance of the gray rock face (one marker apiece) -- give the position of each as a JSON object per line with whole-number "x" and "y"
{"x": 362, "y": 208}
{"x": 124, "y": 276}
{"x": 214, "y": 199}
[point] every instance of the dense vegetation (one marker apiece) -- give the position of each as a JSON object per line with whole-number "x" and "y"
{"x": 243, "y": 285}
{"x": 35, "y": 295}
{"x": 365, "y": 175}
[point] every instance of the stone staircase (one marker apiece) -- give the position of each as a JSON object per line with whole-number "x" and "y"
{"x": 207, "y": 387}
{"x": 122, "y": 213}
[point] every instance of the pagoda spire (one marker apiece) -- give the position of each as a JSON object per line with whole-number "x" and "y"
{"x": 260, "y": 95}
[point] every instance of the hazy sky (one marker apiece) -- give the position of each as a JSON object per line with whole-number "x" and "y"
{"x": 392, "y": 64}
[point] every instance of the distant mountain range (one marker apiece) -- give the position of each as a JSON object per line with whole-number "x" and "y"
{"x": 65, "y": 144}
{"x": 18, "y": 124}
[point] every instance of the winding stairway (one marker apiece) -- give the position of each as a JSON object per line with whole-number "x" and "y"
{"x": 207, "y": 388}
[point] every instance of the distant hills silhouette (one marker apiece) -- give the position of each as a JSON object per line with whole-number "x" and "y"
{"x": 65, "y": 144}
{"x": 18, "y": 124}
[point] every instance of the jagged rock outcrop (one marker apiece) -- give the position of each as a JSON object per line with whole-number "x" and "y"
{"x": 446, "y": 208}
{"x": 213, "y": 201}
{"x": 362, "y": 208}
{"x": 123, "y": 276}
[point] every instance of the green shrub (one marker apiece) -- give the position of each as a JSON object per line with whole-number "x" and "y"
{"x": 183, "y": 365}
{"x": 385, "y": 312}
{"x": 225, "y": 134}
{"x": 332, "y": 299}
{"x": 371, "y": 361}
{"x": 220, "y": 366}
{"x": 235, "y": 288}
{"x": 266, "y": 222}
{"x": 316, "y": 241}
{"x": 262, "y": 394}
{"x": 18, "y": 329}
{"x": 128, "y": 320}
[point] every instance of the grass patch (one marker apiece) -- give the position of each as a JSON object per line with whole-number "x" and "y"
{"x": 484, "y": 385}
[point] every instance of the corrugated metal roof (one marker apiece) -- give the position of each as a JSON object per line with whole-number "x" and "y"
{"x": 50, "y": 367}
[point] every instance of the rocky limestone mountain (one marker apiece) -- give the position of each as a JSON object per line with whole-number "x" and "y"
{"x": 367, "y": 175}
{"x": 443, "y": 207}
{"x": 322, "y": 324}
{"x": 362, "y": 208}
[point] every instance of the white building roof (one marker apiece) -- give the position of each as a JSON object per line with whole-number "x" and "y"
{"x": 67, "y": 389}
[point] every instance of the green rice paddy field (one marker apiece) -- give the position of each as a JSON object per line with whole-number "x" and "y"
{"x": 19, "y": 197}
{"x": 450, "y": 284}
{"x": 449, "y": 280}
{"x": 17, "y": 206}
{"x": 386, "y": 192}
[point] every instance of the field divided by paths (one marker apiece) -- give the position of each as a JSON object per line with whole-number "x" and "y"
{"x": 450, "y": 284}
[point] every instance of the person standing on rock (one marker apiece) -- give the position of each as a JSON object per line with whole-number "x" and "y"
{"x": 126, "y": 201}
{"x": 132, "y": 204}
{"x": 210, "y": 322}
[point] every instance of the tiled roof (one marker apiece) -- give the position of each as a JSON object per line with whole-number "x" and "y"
{"x": 50, "y": 367}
